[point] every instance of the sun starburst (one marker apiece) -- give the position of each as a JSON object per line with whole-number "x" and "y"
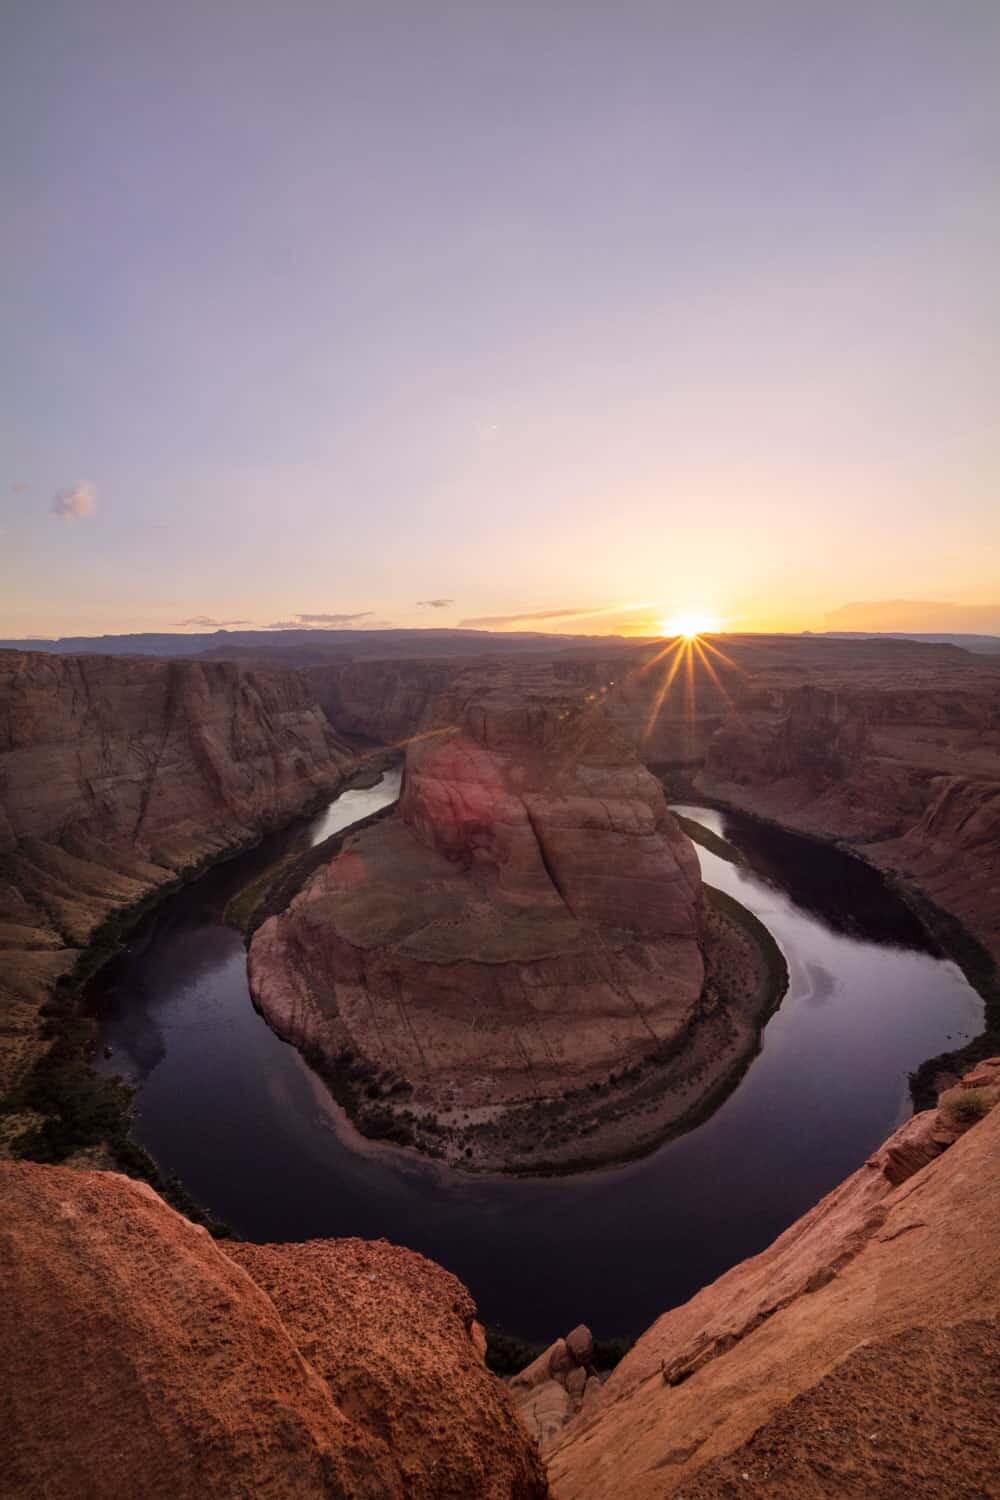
{"x": 689, "y": 625}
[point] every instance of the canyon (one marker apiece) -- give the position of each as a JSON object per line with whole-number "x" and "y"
{"x": 117, "y": 777}
{"x": 890, "y": 748}
{"x": 858, "y": 1355}
{"x": 530, "y": 927}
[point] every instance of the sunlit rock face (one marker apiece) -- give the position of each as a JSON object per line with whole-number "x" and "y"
{"x": 537, "y": 789}
{"x": 843, "y": 1359}
{"x": 140, "y": 1357}
{"x": 526, "y": 925}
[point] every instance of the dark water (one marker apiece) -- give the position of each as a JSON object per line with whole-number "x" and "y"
{"x": 237, "y": 1115}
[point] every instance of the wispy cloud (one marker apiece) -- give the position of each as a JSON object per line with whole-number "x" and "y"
{"x": 487, "y": 622}
{"x": 207, "y": 623}
{"x": 75, "y": 503}
{"x": 313, "y": 621}
{"x": 364, "y": 614}
{"x": 434, "y": 603}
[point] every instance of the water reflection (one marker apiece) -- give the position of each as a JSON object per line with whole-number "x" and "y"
{"x": 238, "y": 1116}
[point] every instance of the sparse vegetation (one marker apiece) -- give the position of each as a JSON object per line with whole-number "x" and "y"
{"x": 968, "y": 1106}
{"x": 81, "y": 1109}
{"x": 506, "y": 1354}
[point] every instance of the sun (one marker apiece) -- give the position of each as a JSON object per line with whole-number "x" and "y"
{"x": 689, "y": 625}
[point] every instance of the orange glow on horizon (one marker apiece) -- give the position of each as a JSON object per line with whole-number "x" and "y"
{"x": 689, "y": 625}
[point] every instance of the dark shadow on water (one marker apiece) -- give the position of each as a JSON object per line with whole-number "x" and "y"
{"x": 237, "y": 1115}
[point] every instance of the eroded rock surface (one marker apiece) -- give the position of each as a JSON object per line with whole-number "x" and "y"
{"x": 906, "y": 769}
{"x": 556, "y": 1385}
{"x": 138, "y": 1358}
{"x": 529, "y": 924}
{"x": 812, "y": 1368}
{"x": 116, "y": 775}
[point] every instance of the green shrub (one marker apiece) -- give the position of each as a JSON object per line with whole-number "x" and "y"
{"x": 968, "y": 1106}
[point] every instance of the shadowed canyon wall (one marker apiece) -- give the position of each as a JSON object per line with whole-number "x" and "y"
{"x": 117, "y": 775}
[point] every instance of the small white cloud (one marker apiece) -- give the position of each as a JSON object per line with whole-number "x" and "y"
{"x": 76, "y": 503}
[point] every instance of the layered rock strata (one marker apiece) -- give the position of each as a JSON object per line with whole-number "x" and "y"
{"x": 906, "y": 771}
{"x": 116, "y": 776}
{"x": 892, "y": 744}
{"x": 859, "y": 1355}
{"x": 137, "y": 1357}
{"x": 510, "y": 972}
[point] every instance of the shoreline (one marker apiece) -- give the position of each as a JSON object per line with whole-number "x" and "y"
{"x": 948, "y": 934}
{"x": 61, "y": 1110}
{"x": 125, "y": 1154}
{"x": 605, "y": 1123}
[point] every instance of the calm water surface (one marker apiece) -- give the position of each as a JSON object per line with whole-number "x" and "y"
{"x": 237, "y": 1115}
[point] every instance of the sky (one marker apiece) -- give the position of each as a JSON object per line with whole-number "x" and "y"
{"x": 547, "y": 313}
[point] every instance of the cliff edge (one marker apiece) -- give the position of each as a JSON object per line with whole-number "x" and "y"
{"x": 138, "y": 1358}
{"x": 858, "y": 1356}
{"x": 117, "y": 774}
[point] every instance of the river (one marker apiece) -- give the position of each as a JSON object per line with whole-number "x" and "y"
{"x": 237, "y": 1115}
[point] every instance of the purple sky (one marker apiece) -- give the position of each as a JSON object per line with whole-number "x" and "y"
{"x": 638, "y": 308}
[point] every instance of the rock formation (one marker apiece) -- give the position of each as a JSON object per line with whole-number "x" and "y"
{"x": 557, "y": 1385}
{"x": 891, "y": 744}
{"x": 137, "y": 1357}
{"x": 526, "y": 933}
{"x": 116, "y": 775}
{"x": 858, "y": 1356}
{"x": 905, "y": 768}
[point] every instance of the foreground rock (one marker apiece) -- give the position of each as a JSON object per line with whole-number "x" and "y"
{"x": 858, "y": 1356}
{"x": 116, "y": 776}
{"x": 137, "y": 1358}
{"x": 510, "y": 972}
{"x": 554, "y": 1387}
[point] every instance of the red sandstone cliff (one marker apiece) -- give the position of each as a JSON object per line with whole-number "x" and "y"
{"x": 116, "y": 774}
{"x": 137, "y": 1357}
{"x": 858, "y": 1356}
{"x": 908, "y": 772}
{"x": 529, "y": 925}
{"x": 892, "y": 745}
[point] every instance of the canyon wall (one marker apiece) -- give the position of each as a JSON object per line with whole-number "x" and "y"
{"x": 906, "y": 772}
{"x": 140, "y": 1357}
{"x": 118, "y": 774}
{"x": 858, "y": 1356}
{"x": 891, "y": 745}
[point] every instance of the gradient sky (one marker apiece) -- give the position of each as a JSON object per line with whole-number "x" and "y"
{"x": 526, "y": 306}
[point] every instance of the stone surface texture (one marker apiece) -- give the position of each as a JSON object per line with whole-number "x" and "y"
{"x": 118, "y": 774}
{"x": 526, "y": 925}
{"x": 138, "y": 1357}
{"x": 859, "y": 1355}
